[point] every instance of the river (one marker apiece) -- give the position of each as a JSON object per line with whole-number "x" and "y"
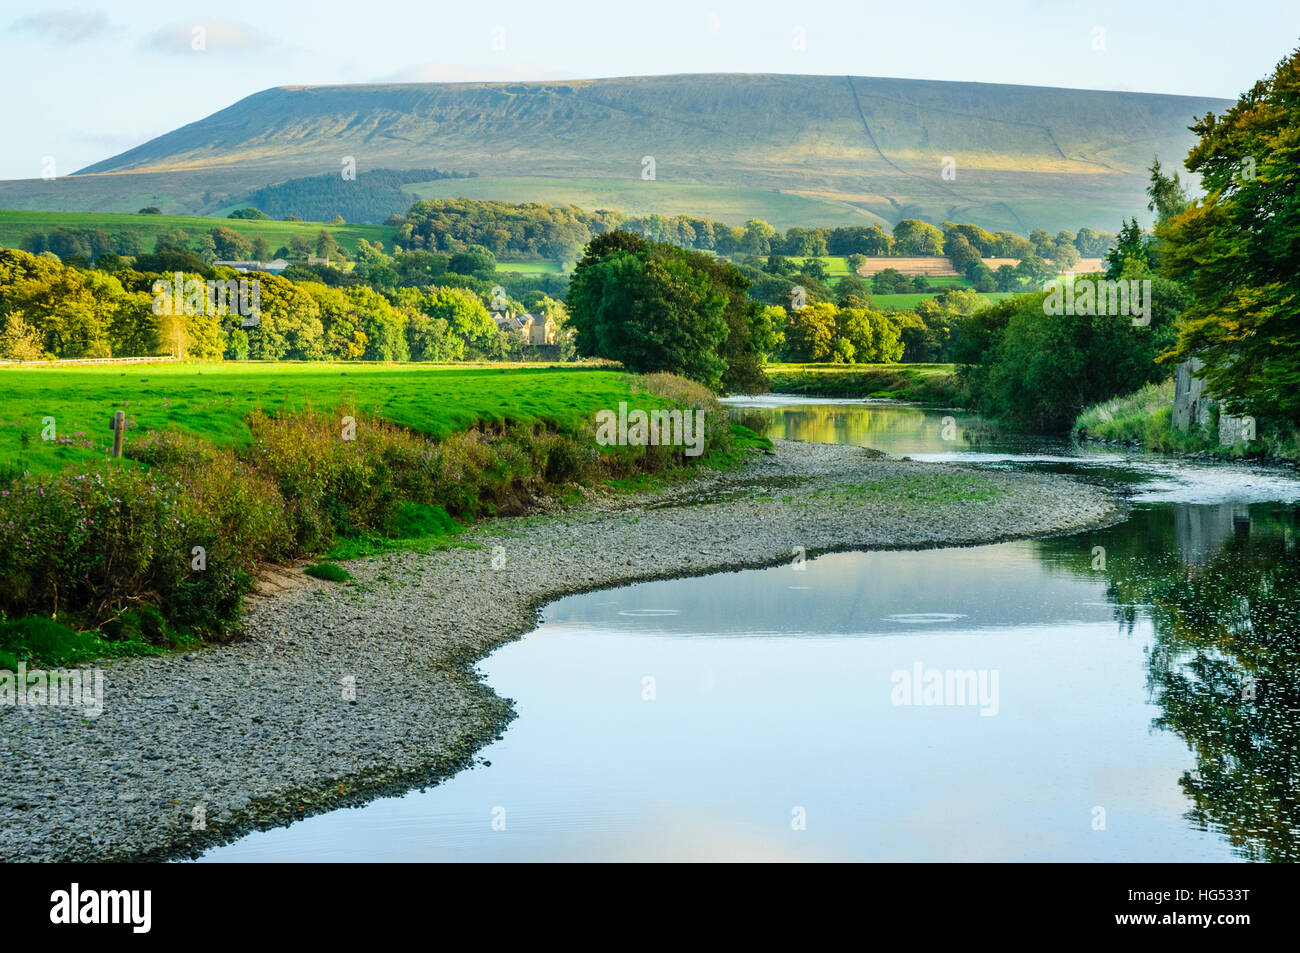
{"x": 1130, "y": 693}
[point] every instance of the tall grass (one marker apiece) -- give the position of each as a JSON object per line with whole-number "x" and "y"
{"x": 1145, "y": 417}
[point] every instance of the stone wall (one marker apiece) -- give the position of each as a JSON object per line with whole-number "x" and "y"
{"x": 1192, "y": 404}
{"x": 1194, "y": 407}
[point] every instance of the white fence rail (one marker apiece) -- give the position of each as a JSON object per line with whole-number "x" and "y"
{"x": 89, "y": 360}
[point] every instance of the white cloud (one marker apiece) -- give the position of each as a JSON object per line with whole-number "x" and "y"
{"x": 215, "y": 36}
{"x": 64, "y": 27}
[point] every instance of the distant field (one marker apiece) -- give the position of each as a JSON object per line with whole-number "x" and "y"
{"x": 733, "y": 205}
{"x": 14, "y": 225}
{"x": 905, "y": 302}
{"x": 928, "y": 265}
{"x": 837, "y": 266}
{"x": 211, "y": 400}
{"x": 532, "y": 267}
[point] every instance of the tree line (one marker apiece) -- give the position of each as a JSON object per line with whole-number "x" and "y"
{"x": 536, "y": 230}
{"x": 52, "y": 310}
{"x": 372, "y": 196}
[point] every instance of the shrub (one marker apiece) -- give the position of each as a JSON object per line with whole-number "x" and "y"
{"x": 100, "y": 543}
{"x": 161, "y": 550}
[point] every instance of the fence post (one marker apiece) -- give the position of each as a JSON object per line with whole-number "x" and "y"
{"x": 119, "y": 431}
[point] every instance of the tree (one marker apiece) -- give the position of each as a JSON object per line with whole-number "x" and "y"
{"x": 327, "y": 245}
{"x": 1043, "y": 243}
{"x": 1091, "y": 243}
{"x": 811, "y": 334}
{"x": 1065, "y": 257}
{"x": 1131, "y": 252}
{"x": 299, "y": 248}
{"x": 758, "y": 237}
{"x": 229, "y": 245}
{"x": 289, "y": 324}
{"x": 960, "y": 251}
{"x": 475, "y": 260}
{"x": 1239, "y": 250}
{"x": 1039, "y": 370}
{"x": 852, "y": 292}
{"x": 1005, "y": 278}
{"x": 1167, "y": 197}
{"x": 250, "y": 214}
{"x": 654, "y": 308}
{"x": 19, "y": 340}
{"x": 914, "y": 237}
{"x": 466, "y": 317}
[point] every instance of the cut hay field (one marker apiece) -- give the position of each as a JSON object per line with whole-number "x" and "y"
{"x": 14, "y": 225}
{"x": 212, "y": 400}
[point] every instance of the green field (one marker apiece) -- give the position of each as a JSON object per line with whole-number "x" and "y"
{"x": 14, "y": 225}
{"x": 532, "y": 267}
{"x": 733, "y": 205}
{"x": 837, "y": 266}
{"x": 211, "y": 400}
{"x": 906, "y": 302}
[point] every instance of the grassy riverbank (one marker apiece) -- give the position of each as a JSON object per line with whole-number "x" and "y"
{"x": 1145, "y": 418}
{"x": 934, "y": 384}
{"x": 232, "y": 467}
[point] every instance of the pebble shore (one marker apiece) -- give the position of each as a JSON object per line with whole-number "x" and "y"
{"x": 341, "y": 693}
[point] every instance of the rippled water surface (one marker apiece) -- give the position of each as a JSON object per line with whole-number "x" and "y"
{"x": 1131, "y": 693}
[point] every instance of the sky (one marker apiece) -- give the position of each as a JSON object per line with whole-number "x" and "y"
{"x": 89, "y": 81}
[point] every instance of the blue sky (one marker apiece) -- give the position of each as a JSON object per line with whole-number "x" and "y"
{"x": 86, "y": 82}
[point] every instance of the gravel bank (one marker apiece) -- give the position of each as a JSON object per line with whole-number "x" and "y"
{"x": 265, "y": 730}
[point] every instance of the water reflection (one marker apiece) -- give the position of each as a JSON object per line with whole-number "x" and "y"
{"x": 1149, "y": 669}
{"x": 1222, "y": 584}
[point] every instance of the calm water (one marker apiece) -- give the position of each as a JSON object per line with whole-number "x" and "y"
{"x": 1126, "y": 694}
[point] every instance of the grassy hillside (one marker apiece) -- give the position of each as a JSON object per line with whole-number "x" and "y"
{"x": 1026, "y": 156}
{"x": 15, "y": 224}
{"x": 733, "y": 205}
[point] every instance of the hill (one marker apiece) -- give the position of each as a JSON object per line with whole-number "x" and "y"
{"x": 797, "y": 150}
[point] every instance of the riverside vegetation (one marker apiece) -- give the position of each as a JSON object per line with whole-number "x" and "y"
{"x": 158, "y": 550}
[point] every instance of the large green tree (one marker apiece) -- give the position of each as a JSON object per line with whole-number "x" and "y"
{"x": 656, "y": 307}
{"x": 1239, "y": 250}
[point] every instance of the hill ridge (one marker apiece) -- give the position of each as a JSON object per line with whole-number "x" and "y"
{"x": 783, "y": 146}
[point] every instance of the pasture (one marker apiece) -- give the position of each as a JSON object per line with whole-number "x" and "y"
{"x": 212, "y": 400}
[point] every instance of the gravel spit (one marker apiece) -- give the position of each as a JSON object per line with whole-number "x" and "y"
{"x": 345, "y": 692}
